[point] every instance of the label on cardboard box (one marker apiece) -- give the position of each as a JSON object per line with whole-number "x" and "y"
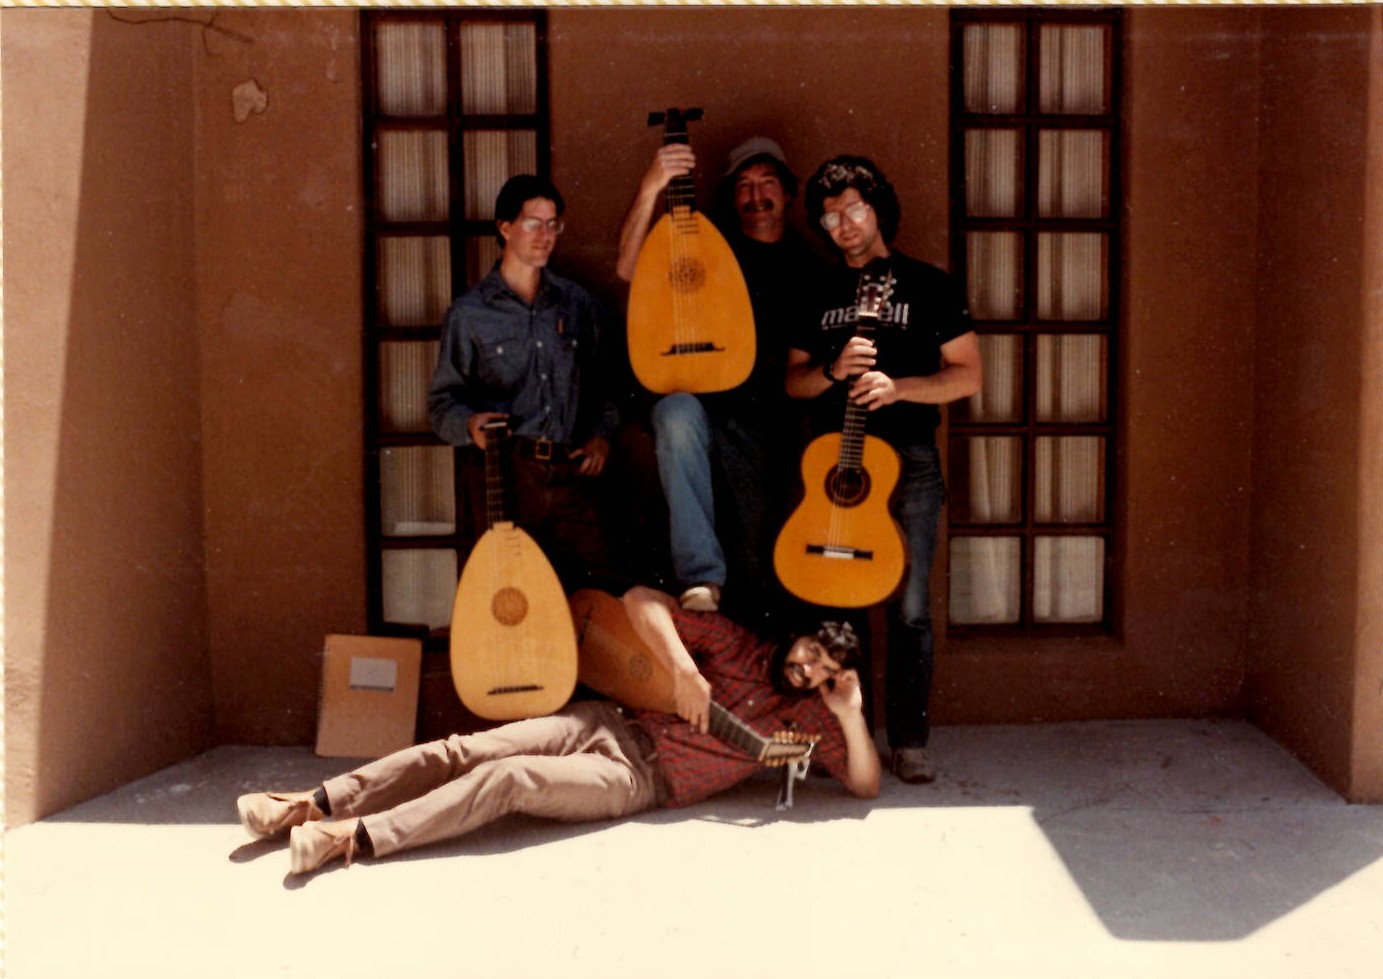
{"x": 371, "y": 673}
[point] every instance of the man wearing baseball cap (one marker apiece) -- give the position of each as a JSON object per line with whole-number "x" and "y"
{"x": 727, "y": 461}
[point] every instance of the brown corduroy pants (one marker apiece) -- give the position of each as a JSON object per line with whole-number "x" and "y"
{"x": 583, "y": 763}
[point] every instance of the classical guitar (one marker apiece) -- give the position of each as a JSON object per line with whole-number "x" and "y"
{"x": 690, "y": 324}
{"x": 841, "y": 546}
{"x": 615, "y": 661}
{"x": 513, "y": 650}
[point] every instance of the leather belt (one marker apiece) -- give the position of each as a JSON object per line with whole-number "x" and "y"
{"x": 541, "y": 450}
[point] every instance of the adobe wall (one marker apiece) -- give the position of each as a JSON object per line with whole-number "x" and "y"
{"x": 279, "y": 237}
{"x": 106, "y": 661}
{"x": 1315, "y": 604}
{"x": 1367, "y": 756}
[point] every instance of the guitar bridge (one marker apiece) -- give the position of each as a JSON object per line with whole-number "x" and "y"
{"x": 840, "y": 553}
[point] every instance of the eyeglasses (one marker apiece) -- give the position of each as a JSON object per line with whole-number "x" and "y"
{"x": 856, "y": 212}
{"x": 534, "y": 225}
{"x": 817, "y": 656}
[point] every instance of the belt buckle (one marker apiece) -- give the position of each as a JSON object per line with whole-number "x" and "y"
{"x": 542, "y": 449}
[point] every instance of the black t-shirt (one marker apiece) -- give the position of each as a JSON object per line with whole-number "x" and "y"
{"x": 925, "y": 311}
{"x": 781, "y": 278}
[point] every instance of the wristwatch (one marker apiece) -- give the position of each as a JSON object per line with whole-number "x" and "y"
{"x": 826, "y": 369}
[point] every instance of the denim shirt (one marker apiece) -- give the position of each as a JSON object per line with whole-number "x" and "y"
{"x": 538, "y": 364}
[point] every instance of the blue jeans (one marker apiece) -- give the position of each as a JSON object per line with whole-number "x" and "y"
{"x": 697, "y": 456}
{"x": 908, "y": 676}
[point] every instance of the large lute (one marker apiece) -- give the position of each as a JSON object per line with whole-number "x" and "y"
{"x": 690, "y": 323}
{"x": 841, "y": 547}
{"x": 615, "y": 661}
{"x": 513, "y": 650}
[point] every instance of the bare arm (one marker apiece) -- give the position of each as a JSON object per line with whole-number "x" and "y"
{"x": 960, "y": 376}
{"x": 807, "y": 380}
{"x": 846, "y": 701}
{"x": 650, "y": 613}
{"x": 672, "y": 160}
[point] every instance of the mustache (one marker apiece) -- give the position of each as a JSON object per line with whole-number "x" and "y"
{"x": 750, "y": 207}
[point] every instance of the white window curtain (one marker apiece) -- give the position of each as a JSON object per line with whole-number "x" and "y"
{"x": 492, "y": 157}
{"x": 414, "y": 277}
{"x": 1072, "y": 174}
{"x": 993, "y": 68}
{"x": 1071, "y": 378}
{"x": 993, "y": 178}
{"x": 405, "y": 372}
{"x": 986, "y": 580}
{"x": 1071, "y": 276}
{"x": 411, "y": 64}
{"x": 1000, "y": 397}
{"x": 1068, "y": 579}
{"x": 1073, "y": 69}
{"x": 419, "y": 586}
{"x": 1068, "y": 486}
{"x": 499, "y": 71}
{"x": 418, "y": 490}
{"x": 995, "y": 260}
{"x": 413, "y": 183}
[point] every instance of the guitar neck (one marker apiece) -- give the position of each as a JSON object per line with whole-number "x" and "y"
{"x": 852, "y": 432}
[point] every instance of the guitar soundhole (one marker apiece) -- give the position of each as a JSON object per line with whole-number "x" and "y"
{"x": 847, "y": 487}
{"x": 686, "y": 275}
{"x": 509, "y": 606}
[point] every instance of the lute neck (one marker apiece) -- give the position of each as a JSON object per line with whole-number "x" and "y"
{"x": 681, "y": 191}
{"x": 733, "y": 731}
{"x": 497, "y": 481}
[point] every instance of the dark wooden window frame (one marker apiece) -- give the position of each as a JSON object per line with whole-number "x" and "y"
{"x": 458, "y": 229}
{"x": 1027, "y": 326}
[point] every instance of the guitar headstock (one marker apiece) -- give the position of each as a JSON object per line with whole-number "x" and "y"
{"x": 874, "y": 289}
{"x": 785, "y": 747}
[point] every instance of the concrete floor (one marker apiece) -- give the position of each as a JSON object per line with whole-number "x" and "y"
{"x": 1122, "y": 849}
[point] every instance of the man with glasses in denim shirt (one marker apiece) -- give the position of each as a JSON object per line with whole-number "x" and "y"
{"x": 924, "y": 353}
{"x": 523, "y": 346}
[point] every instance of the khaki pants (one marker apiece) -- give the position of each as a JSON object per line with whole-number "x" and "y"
{"x": 583, "y": 763}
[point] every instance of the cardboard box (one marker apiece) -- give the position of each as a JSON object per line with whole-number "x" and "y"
{"x": 369, "y": 702}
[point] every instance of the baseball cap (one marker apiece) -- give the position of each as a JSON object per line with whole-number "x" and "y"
{"x": 753, "y": 147}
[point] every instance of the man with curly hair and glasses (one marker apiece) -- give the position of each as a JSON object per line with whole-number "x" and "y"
{"x": 923, "y": 353}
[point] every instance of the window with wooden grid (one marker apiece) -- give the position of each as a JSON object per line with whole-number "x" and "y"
{"x": 1035, "y": 232}
{"x": 454, "y": 104}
